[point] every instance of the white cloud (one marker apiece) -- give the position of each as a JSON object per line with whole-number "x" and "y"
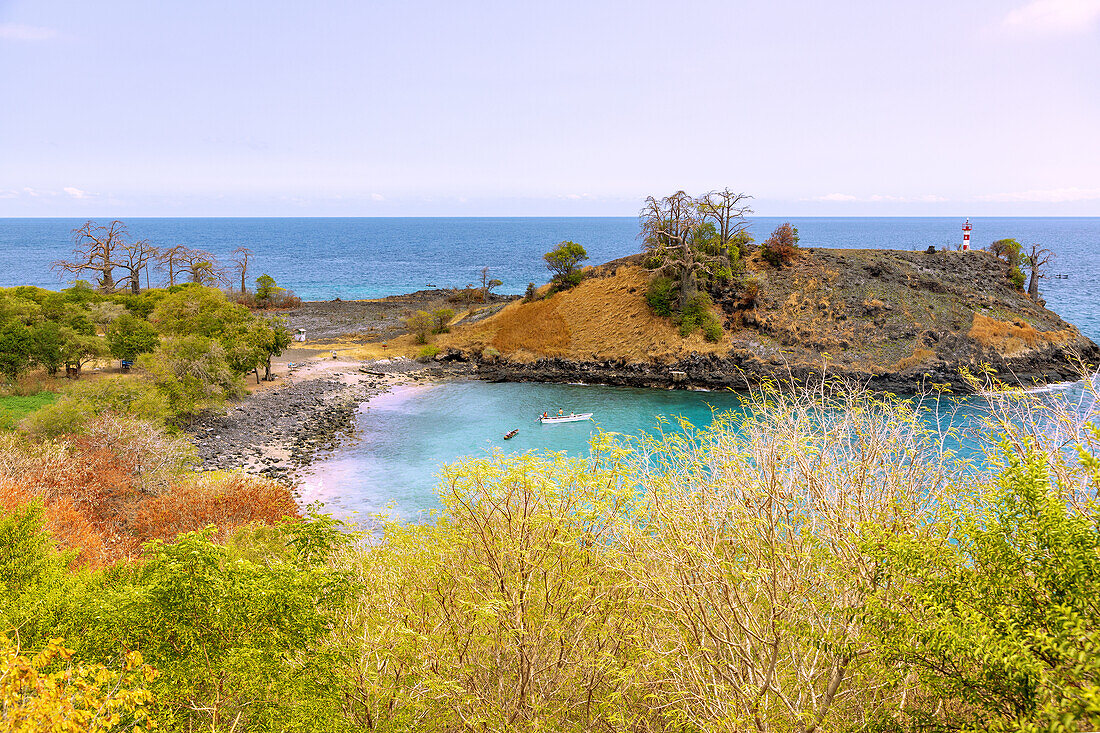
{"x": 1054, "y": 16}
{"x": 76, "y": 193}
{"x": 8, "y": 194}
{"x": 377, "y": 197}
{"x": 836, "y": 197}
{"x": 20, "y": 32}
{"x": 1048, "y": 196}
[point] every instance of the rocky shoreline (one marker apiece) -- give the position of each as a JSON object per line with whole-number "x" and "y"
{"x": 278, "y": 431}
{"x": 746, "y": 370}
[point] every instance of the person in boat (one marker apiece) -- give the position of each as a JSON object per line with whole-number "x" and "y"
{"x": 560, "y": 413}
{"x": 544, "y": 415}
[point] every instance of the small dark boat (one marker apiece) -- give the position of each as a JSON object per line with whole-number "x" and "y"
{"x": 510, "y": 435}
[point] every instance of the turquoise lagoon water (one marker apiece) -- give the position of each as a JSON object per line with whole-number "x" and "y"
{"x": 405, "y": 436}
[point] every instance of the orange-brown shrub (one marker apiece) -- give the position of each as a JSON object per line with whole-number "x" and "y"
{"x": 68, "y": 526}
{"x": 123, "y": 483}
{"x": 226, "y": 501}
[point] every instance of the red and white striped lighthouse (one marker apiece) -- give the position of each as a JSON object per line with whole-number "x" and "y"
{"x": 966, "y": 234}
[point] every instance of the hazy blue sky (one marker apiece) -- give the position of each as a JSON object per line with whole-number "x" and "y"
{"x": 409, "y": 107}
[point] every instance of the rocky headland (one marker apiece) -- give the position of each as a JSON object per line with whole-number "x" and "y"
{"x": 890, "y": 320}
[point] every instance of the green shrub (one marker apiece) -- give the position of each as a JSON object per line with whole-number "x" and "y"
{"x": 563, "y": 261}
{"x": 695, "y": 314}
{"x": 529, "y": 295}
{"x": 712, "y": 330}
{"x": 490, "y": 352}
{"x": 661, "y": 296}
{"x": 428, "y": 353}
{"x": 1000, "y": 618}
{"x": 16, "y": 349}
{"x": 83, "y": 401}
{"x": 193, "y": 373}
{"x": 129, "y": 336}
{"x": 442, "y": 318}
{"x": 1017, "y": 278}
{"x": 420, "y": 325}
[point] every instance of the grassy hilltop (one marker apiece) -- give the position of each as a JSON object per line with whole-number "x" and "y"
{"x": 891, "y": 317}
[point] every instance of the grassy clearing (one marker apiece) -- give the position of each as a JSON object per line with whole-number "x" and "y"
{"x": 15, "y": 407}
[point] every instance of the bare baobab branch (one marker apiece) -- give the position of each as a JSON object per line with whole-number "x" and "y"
{"x": 1037, "y": 260}
{"x": 95, "y": 249}
{"x": 240, "y": 259}
{"x": 135, "y": 257}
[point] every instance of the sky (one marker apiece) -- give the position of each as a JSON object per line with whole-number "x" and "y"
{"x": 564, "y": 108}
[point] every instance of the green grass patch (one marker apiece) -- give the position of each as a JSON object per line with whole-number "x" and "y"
{"x": 15, "y": 408}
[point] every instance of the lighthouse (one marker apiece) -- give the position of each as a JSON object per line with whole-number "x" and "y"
{"x": 966, "y": 234}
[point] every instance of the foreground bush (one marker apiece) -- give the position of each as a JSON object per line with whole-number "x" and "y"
{"x": 122, "y": 483}
{"x": 48, "y": 691}
{"x": 810, "y": 563}
{"x": 83, "y": 402}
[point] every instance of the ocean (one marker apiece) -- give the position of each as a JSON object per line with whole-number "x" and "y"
{"x": 325, "y": 258}
{"x": 405, "y": 436}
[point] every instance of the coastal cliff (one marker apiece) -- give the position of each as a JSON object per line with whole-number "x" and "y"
{"x": 892, "y": 320}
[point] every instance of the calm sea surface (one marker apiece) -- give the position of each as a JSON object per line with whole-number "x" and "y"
{"x": 321, "y": 259}
{"x": 406, "y": 435}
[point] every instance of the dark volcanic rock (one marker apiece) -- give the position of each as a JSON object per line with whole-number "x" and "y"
{"x": 275, "y": 431}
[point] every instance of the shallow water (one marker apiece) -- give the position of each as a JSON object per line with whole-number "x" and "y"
{"x": 406, "y": 435}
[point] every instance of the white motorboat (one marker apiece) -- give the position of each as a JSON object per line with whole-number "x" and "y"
{"x": 571, "y": 417}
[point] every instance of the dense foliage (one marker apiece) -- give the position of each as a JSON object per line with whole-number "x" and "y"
{"x": 563, "y": 261}
{"x": 699, "y": 242}
{"x": 193, "y": 344}
{"x": 809, "y": 563}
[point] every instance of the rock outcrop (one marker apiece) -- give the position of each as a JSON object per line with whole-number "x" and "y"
{"x": 891, "y": 320}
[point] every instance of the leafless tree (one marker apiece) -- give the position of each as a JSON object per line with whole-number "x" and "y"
{"x": 726, "y": 210}
{"x": 171, "y": 260}
{"x": 487, "y": 284}
{"x": 135, "y": 257}
{"x": 95, "y": 249}
{"x": 240, "y": 258}
{"x": 1037, "y": 259}
{"x": 202, "y": 268}
{"x": 668, "y": 226}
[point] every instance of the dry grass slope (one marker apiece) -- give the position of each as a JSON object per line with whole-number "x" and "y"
{"x": 1013, "y": 339}
{"x": 605, "y": 317}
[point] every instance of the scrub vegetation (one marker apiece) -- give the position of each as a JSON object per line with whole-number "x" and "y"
{"x": 819, "y": 560}
{"x": 184, "y": 348}
{"x": 812, "y": 562}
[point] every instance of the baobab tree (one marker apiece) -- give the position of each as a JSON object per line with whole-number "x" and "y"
{"x": 1037, "y": 259}
{"x": 668, "y": 233}
{"x": 240, "y": 258}
{"x": 725, "y": 209}
{"x": 171, "y": 261}
{"x": 201, "y": 267}
{"x": 95, "y": 249}
{"x": 135, "y": 257}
